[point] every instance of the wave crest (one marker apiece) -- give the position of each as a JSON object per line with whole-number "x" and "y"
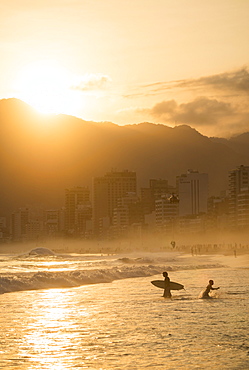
{"x": 65, "y": 279}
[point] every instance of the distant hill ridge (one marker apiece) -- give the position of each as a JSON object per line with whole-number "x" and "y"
{"x": 42, "y": 155}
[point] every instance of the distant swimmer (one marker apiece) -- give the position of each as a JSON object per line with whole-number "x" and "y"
{"x": 166, "y": 293}
{"x": 205, "y": 293}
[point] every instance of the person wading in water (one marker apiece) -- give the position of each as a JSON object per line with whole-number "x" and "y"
{"x": 209, "y": 287}
{"x": 166, "y": 293}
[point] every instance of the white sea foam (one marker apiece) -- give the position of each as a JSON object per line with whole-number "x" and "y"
{"x": 39, "y": 271}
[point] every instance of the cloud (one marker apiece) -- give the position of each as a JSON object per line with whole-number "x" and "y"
{"x": 236, "y": 81}
{"x": 91, "y": 82}
{"x": 199, "y": 112}
{"x": 232, "y": 83}
{"x": 219, "y": 103}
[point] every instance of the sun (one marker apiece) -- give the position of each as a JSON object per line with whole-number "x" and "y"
{"x": 46, "y": 86}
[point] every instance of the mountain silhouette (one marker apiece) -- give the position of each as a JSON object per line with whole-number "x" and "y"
{"x": 41, "y": 155}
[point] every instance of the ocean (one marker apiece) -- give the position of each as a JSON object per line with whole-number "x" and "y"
{"x": 100, "y": 311}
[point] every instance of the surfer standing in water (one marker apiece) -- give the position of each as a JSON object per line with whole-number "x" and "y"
{"x": 209, "y": 287}
{"x": 167, "y": 293}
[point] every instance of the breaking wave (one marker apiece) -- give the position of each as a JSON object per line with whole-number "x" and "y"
{"x": 41, "y": 252}
{"x": 74, "y": 278}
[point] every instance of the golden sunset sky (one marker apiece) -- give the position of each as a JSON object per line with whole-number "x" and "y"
{"x": 163, "y": 61}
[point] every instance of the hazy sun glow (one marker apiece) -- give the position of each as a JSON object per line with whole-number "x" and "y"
{"x": 47, "y": 87}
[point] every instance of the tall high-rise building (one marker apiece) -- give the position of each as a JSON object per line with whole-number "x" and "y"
{"x": 52, "y": 222}
{"x": 4, "y": 232}
{"x": 19, "y": 222}
{"x": 218, "y": 211}
{"x": 157, "y": 189}
{"x": 77, "y": 209}
{"x": 193, "y": 193}
{"x": 106, "y": 192}
{"x": 127, "y": 214}
{"x": 243, "y": 209}
{"x": 239, "y": 197}
{"x": 34, "y": 230}
{"x": 167, "y": 209}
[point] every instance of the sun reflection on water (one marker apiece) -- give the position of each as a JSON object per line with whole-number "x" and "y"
{"x": 117, "y": 325}
{"x": 54, "y": 329}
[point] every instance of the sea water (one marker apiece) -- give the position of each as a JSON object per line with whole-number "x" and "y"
{"x": 102, "y": 312}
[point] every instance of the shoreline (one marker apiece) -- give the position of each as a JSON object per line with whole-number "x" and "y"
{"x": 234, "y": 251}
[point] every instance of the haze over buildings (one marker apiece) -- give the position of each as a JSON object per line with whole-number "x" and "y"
{"x": 238, "y": 200}
{"x": 115, "y": 208}
{"x": 43, "y": 156}
{"x": 46, "y": 154}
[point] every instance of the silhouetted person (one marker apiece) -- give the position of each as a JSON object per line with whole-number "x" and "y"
{"x": 209, "y": 287}
{"x": 166, "y": 293}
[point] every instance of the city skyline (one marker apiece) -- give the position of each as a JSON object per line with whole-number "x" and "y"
{"x": 115, "y": 207}
{"x": 158, "y": 61}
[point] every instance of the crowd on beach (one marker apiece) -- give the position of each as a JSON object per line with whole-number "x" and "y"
{"x": 199, "y": 249}
{"x": 130, "y": 246}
